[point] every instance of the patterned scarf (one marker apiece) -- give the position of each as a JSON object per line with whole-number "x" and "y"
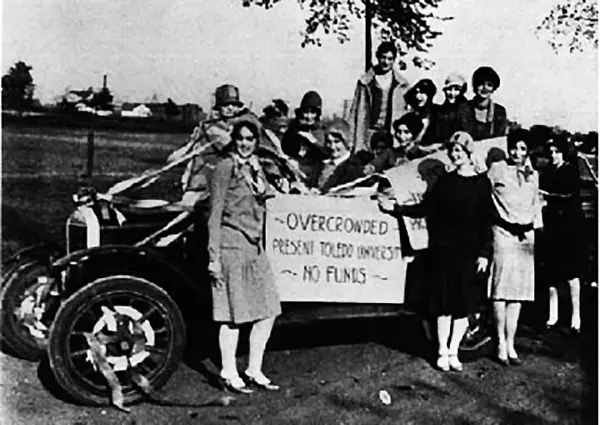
{"x": 524, "y": 172}
{"x": 250, "y": 170}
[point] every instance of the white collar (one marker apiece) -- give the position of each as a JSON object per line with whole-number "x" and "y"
{"x": 338, "y": 161}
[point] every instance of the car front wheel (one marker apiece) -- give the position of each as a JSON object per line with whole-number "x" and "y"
{"x": 124, "y": 324}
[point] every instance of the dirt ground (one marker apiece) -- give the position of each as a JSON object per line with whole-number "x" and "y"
{"x": 333, "y": 374}
{"x": 330, "y": 373}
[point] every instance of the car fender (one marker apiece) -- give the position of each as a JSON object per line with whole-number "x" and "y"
{"x": 42, "y": 252}
{"x": 84, "y": 266}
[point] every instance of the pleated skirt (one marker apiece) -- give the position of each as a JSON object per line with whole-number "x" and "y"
{"x": 249, "y": 292}
{"x": 512, "y": 275}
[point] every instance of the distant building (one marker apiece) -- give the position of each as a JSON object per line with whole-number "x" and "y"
{"x": 139, "y": 111}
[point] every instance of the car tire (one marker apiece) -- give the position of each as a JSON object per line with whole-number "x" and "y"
{"x": 68, "y": 349}
{"x": 20, "y": 287}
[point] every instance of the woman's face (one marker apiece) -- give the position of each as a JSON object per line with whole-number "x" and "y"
{"x": 420, "y": 98}
{"x": 336, "y": 146}
{"x": 379, "y": 148}
{"x": 452, "y": 93}
{"x": 229, "y": 110}
{"x": 518, "y": 153}
{"x": 485, "y": 89}
{"x": 245, "y": 142}
{"x": 308, "y": 116}
{"x": 403, "y": 135}
{"x": 458, "y": 155}
{"x": 556, "y": 156}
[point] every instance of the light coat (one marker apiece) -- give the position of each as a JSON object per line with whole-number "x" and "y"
{"x": 360, "y": 112}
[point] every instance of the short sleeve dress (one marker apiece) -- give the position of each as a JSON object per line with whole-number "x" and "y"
{"x": 458, "y": 211}
{"x": 563, "y": 249}
{"x": 235, "y": 229}
{"x": 517, "y": 211}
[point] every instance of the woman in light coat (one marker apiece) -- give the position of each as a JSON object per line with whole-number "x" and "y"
{"x": 515, "y": 192}
{"x": 244, "y": 288}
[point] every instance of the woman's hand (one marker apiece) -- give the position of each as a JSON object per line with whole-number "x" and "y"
{"x": 482, "y": 264}
{"x": 214, "y": 268}
{"x": 368, "y": 169}
{"x": 387, "y": 205}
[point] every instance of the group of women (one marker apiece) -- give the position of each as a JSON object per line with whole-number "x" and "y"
{"x": 482, "y": 229}
{"x": 480, "y": 223}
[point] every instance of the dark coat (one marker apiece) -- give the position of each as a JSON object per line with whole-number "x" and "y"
{"x": 480, "y": 131}
{"x": 349, "y": 170}
{"x": 447, "y": 119}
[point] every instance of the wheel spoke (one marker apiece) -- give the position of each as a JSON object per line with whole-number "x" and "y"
{"x": 161, "y": 330}
{"x": 79, "y": 353}
{"x": 147, "y": 314}
{"x": 155, "y": 350}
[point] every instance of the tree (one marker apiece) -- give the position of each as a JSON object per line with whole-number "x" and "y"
{"x": 572, "y": 25}
{"x": 407, "y": 22}
{"x": 18, "y": 87}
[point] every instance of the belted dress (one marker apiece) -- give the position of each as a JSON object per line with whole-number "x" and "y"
{"x": 236, "y": 227}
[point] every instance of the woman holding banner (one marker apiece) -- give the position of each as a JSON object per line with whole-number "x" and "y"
{"x": 517, "y": 213}
{"x": 244, "y": 288}
{"x": 458, "y": 211}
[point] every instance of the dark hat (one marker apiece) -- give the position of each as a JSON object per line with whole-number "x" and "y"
{"x": 227, "y": 94}
{"x": 412, "y": 121}
{"x": 426, "y": 86}
{"x": 311, "y": 100}
{"x": 485, "y": 73}
{"x": 381, "y": 136}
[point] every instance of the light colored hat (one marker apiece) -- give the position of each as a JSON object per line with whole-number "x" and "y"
{"x": 340, "y": 128}
{"x": 455, "y": 79}
{"x": 463, "y": 139}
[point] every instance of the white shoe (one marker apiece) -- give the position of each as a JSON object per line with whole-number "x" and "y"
{"x": 443, "y": 362}
{"x": 454, "y": 363}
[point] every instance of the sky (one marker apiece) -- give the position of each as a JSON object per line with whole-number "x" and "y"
{"x": 184, "y": 49}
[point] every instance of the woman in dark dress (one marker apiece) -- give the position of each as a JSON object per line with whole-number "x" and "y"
{"x": 563, "y": 228}
{"x": 458, "y": 212}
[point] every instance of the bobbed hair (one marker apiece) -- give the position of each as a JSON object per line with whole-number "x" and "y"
{"x": 518, "y": 135}
{"x": 426, "y": 86}
{"x": 561, "y": 142}
{"x": 412, "y": 121}
{"x": 381, "y": 136}
{"x": 485, "y": 73}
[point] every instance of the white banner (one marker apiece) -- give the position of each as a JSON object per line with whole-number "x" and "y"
{"x": 334, "y": 250}
{"x": 410, "y": 181}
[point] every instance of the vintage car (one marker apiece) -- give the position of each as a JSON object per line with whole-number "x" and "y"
{"x": 119, "y": 302}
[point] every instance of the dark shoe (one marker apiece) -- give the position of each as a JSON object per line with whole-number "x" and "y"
{"x": 261, "y": 382}
{"x": 575, "y": 331}
{"x": 503, "y": 362}
{"x": 515, "y": 361}
{"x": 234, "y": 385}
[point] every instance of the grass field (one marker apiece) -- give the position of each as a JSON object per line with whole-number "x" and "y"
{"x": 43, "y": 167}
